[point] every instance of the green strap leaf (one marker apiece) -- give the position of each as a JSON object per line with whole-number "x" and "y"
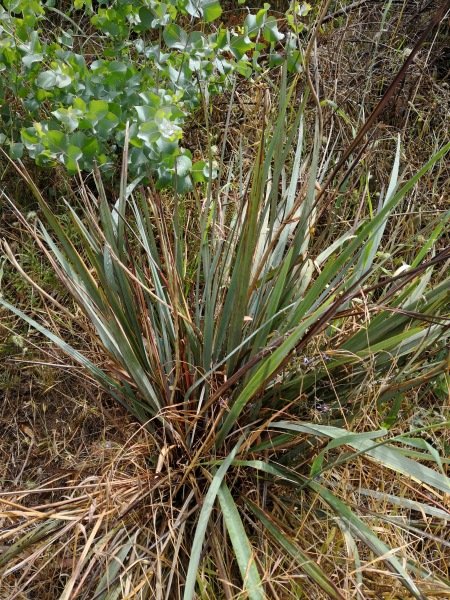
{"x": 385, "y": 454}
{"x": 241, "y": 544}
{"x": 366, "y": 535}
{"x": 203, "y": 519}
{"x": 314, "y": 572}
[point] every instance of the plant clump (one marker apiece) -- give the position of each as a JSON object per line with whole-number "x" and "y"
{"x": 269, "y": 349}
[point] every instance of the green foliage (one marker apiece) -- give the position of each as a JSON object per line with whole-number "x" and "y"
{"x": 223, "y": 339}
{"x": 68, "y": 94}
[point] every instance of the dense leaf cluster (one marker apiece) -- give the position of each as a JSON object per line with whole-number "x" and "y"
{"x": 72, "y": 80}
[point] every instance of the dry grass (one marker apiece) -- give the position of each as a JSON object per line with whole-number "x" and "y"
{"x": 96, "y": 490}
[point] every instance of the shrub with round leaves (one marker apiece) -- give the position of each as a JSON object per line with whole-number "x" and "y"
{"x": 72, "y": 81}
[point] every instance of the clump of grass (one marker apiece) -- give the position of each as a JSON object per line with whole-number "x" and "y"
{"x": 247, "y": 338}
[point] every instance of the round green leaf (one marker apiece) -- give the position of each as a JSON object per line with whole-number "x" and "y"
{"x": 183, "y": 165}
{"x": 211, "y": 10}
{"x": 46, "y": 80}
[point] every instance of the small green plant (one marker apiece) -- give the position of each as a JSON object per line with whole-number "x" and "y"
{"x": 67, "y": 93}
{"x": 224, "y": 327}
